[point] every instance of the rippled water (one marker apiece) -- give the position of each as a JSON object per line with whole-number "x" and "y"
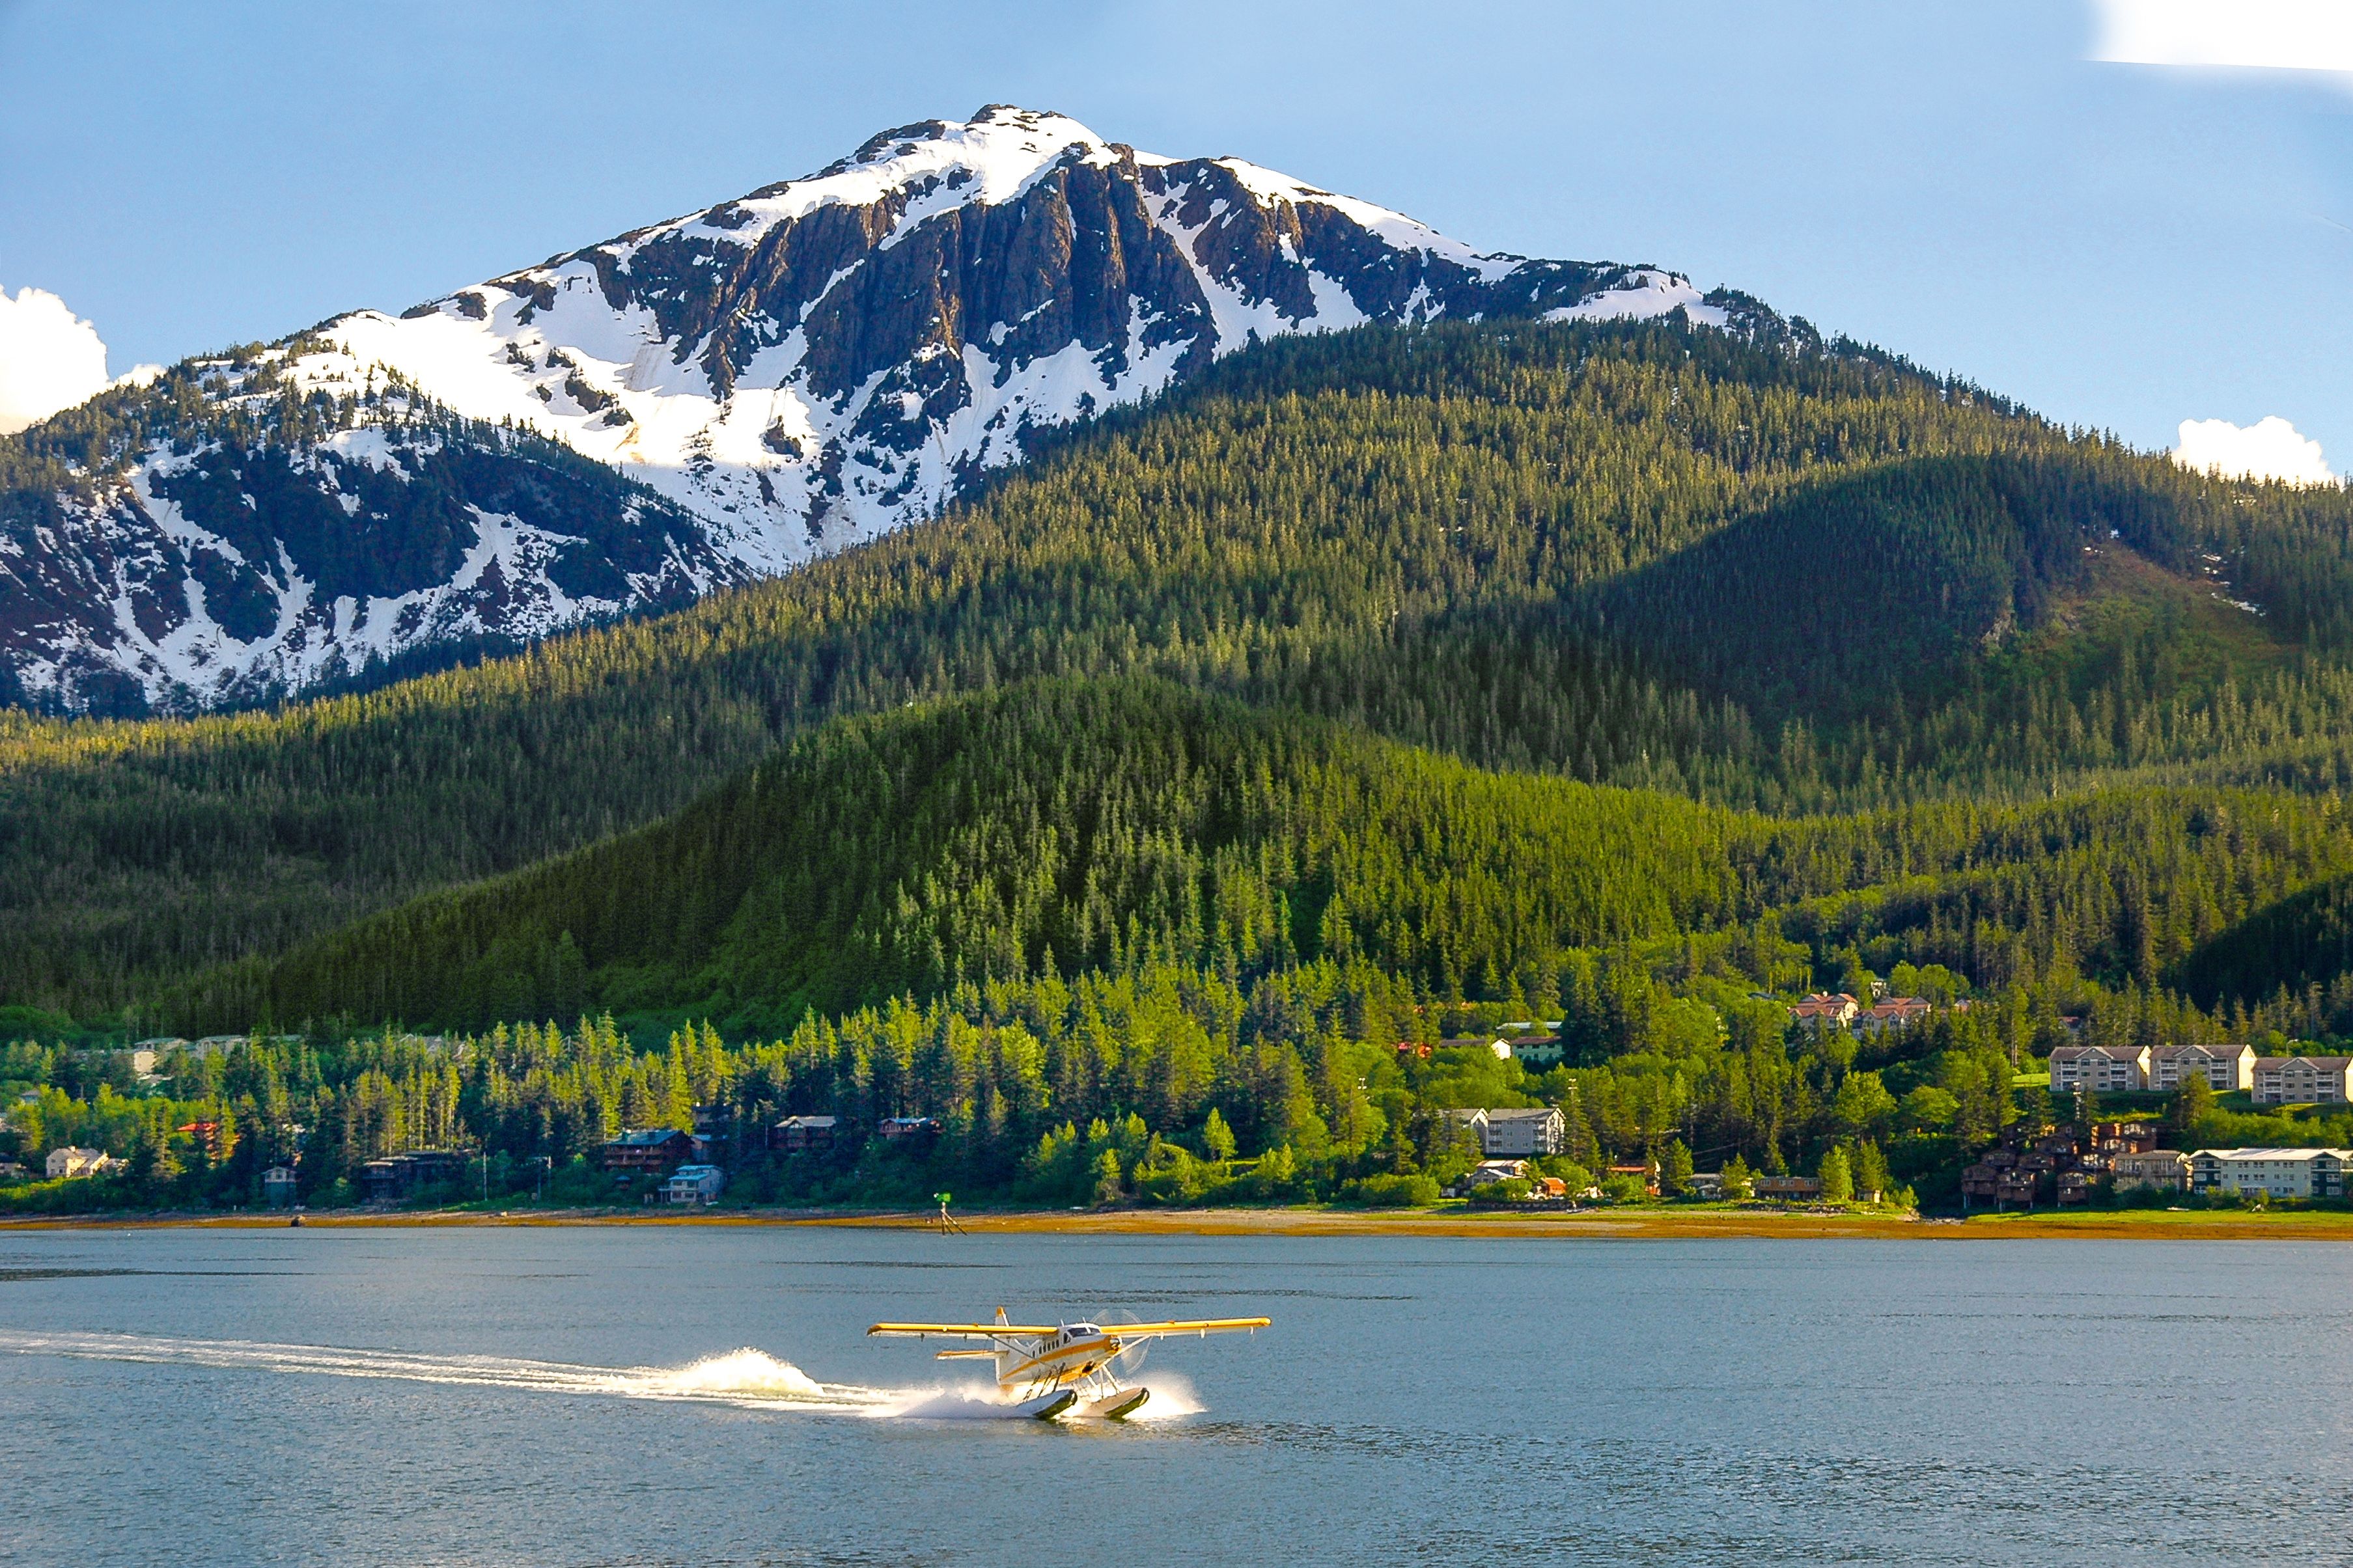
{"x": 641, "y": 1395}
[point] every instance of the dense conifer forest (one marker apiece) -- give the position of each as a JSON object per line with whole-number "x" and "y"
{"x": 1372, "y": 688}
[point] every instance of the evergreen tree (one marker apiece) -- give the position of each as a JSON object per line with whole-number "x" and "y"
{"x": 1837, "y": 1175}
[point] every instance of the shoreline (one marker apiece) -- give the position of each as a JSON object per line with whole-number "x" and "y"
{"x": 1592, "y": 1225}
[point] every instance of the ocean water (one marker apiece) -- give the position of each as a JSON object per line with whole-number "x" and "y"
{"x": 705, "y": 1394}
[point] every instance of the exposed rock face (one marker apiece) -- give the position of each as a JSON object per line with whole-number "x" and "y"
{"x": 783, "y": 376}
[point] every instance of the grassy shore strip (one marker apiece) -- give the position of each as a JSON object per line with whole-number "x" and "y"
{"x": 1621, "y": 1224}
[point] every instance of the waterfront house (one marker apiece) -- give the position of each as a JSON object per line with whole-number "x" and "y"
{"x": 647, "y": 1149}
{"x": 1646, "y": 1172}
{"x": 694, "y": 1184}
{"x": 802, "y": 1134}
{"x": 403, "y": 1175}
{"x": 2164, "y": 1170}
{"x": 277, "y": 1187}
{"x": 2275, "y": 1172}
{"x": 1786, "y": 1189}
{"x": 2228, "y": 1068}
{"x": 2303, "y": 1081}
{"x": 2123, "y": 1137}
{"x": 75, "y": 1163}
{"x": 916, "y": 1130}
{"x": 2005, "y": 1176}
{"x": 2103, "y": 1069}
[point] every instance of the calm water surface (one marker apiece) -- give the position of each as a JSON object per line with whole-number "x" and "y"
{"x": 572, "y": 1395}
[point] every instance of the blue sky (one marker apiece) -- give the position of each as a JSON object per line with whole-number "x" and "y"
{"x": 2126, "y": 246}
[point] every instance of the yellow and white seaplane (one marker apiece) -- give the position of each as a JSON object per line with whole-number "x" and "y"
{"x": 1071, "y": 1370}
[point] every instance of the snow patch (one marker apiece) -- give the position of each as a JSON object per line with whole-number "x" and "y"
{"x": 1651, "y": 295}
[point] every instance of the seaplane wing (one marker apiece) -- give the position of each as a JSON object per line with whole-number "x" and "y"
{"x": 967, "y": 1330}
{"x": 1186, "y": 1326}
{"x": 1001, "y": 1330}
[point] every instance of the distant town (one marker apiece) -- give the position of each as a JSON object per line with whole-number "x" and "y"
{"x": 2089, "y": 1124}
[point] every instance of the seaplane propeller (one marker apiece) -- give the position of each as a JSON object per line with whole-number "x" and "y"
{"x": 1072, "y": 1369}
{"x": 1130, "y": 1360}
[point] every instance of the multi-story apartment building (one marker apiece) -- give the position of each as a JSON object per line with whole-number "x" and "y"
{"x": 2278, "y": 1172}
{"x": 2105, "y": 1069}
{"x": 2303, "y": 1081}
{"x": 2227, "y": 1067}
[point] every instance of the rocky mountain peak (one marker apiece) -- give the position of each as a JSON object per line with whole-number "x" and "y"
{"x": 790, "y": 373}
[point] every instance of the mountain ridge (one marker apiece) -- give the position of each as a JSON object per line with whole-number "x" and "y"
{"x": 777, "y": 377}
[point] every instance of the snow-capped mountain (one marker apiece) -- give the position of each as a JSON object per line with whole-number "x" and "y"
{"x": 783, "y": 376}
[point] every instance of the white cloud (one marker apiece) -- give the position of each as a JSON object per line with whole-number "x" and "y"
{"x": 2268, "y": 449}
{"x": 2245, "y": 35}
{"x": 49, "y": 359}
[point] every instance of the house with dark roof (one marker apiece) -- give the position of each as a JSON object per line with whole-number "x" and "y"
{"x": 647, "y": 1149}
{"x": 803, "y": 1134}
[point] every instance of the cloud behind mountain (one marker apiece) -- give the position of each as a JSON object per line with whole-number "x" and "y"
{"x": 49, "y": 358}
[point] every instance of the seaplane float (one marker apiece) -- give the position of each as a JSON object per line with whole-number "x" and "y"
{"x": 1070, "y": 1371}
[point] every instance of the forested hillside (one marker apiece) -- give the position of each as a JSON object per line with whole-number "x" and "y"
{"x": 1075, "y": 827}
{"x": 1771, "y": 574}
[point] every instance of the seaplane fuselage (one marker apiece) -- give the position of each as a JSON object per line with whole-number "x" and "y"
{"x": 1065, "y": 1368}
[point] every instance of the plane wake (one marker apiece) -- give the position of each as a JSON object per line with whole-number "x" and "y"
{"x": 744, "y": 1378}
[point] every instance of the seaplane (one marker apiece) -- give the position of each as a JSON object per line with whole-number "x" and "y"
{"x": 1070, "y": 1371}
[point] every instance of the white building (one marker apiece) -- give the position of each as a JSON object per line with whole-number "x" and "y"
{"x": 2227, "y": 1067}
{"x": 72, "y": 1161}
{"x": 2303, "y": 1081}
{"x": 2103, "y": 1069}
{"x": 2166, "y": 1170}
{"x": 2278, "y": 1172}
{"x": 1517, "y": 1135}
{"x": 696, "y": 1184}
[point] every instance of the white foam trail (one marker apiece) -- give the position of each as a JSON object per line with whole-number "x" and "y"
{"x": 743, "y": 1374}
{"x": 747, "y": 1378}
{"x": 965, "y": 1404}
